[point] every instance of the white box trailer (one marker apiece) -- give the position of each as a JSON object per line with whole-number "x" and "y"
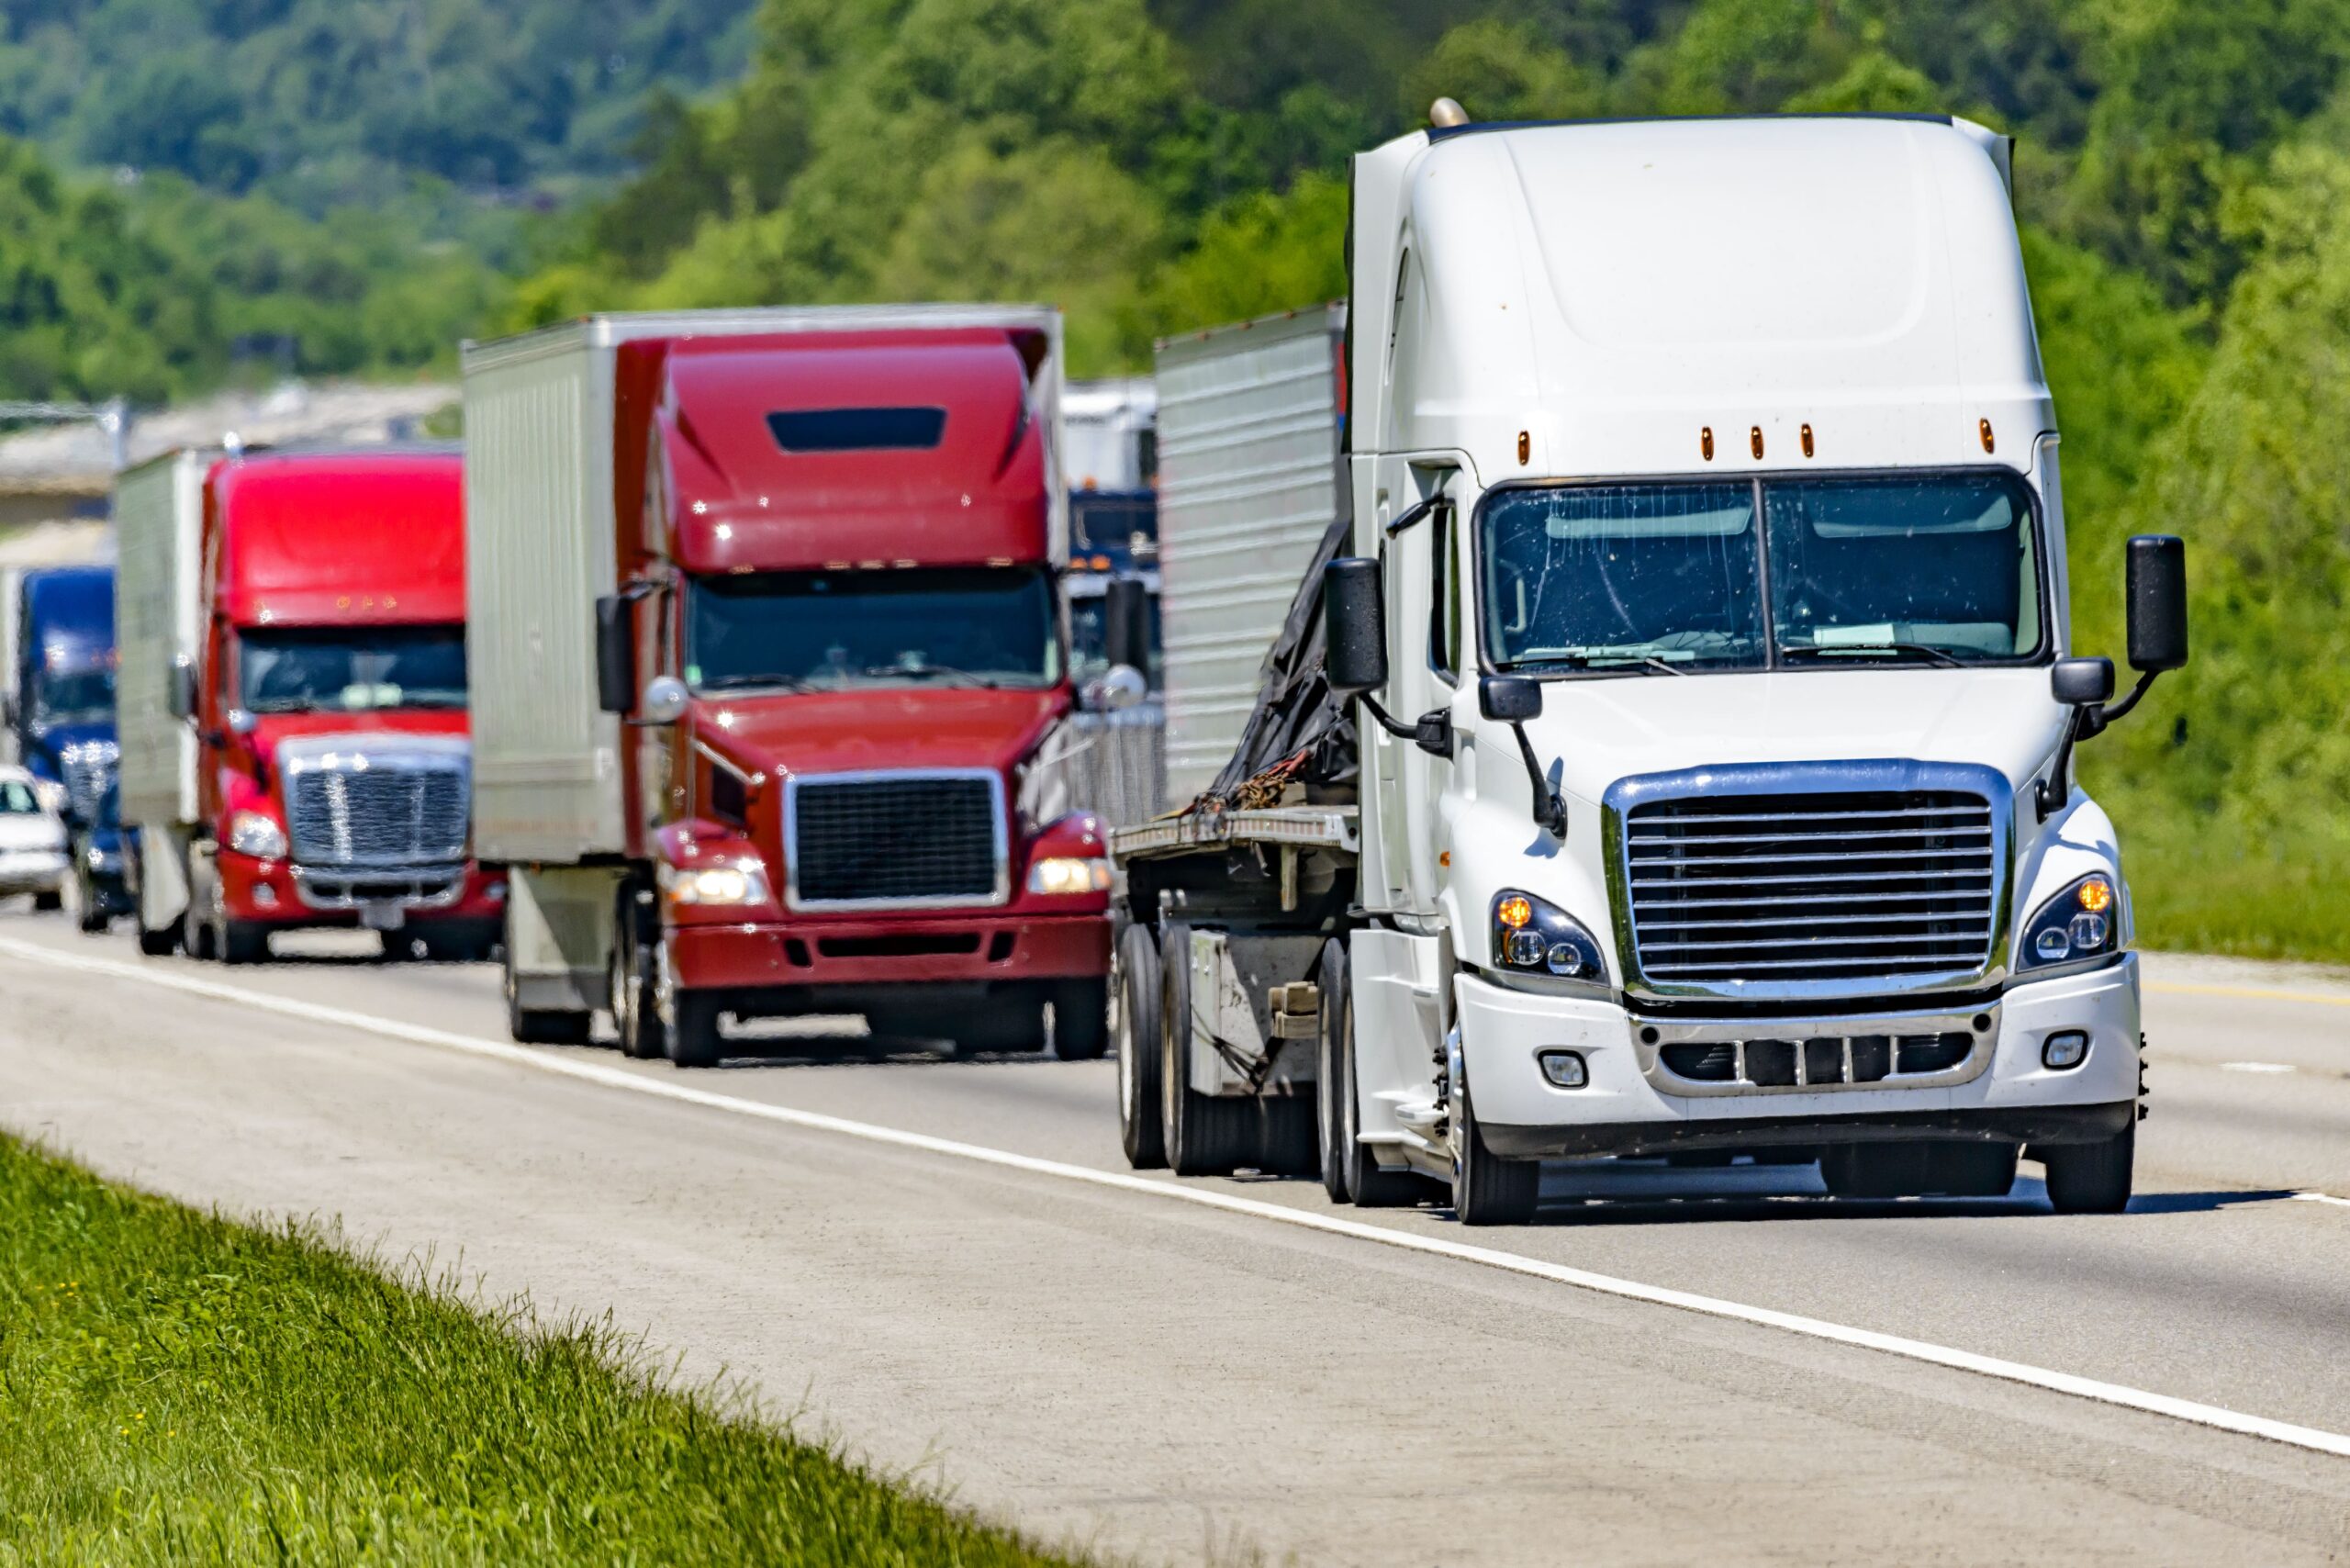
{"x": 1251, "y": 474}
{"x": 159, "y": 525}
{"x": 540, "y": 552}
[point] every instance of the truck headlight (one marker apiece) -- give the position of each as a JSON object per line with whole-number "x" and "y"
{"x": 720, "y": 883}
{"x": 257, "y": 834}
{"x": 2082, "y": 922}
{"x": 1538, "y": 938}
{"x": 1069, "y": 874}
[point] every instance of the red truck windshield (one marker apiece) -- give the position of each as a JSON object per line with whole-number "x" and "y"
{"x": 350, "y": 669}
{"x": 991, "y": 626}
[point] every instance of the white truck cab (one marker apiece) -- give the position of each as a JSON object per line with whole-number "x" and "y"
{"x": 1705, "y": 599}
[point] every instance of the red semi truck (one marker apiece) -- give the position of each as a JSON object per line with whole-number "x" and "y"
{"x": 772, "y": 680}
{"x": 292, "y": 701}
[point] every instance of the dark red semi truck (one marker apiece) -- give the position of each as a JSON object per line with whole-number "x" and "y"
{"x": 772, "y": 679}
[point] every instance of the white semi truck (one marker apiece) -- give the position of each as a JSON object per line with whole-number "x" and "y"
{"x": 1668, "y": 751}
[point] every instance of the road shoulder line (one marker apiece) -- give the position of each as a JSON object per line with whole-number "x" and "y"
{"x": 2193, "y": 1412}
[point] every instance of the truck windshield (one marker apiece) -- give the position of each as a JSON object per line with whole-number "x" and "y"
{"x": 74, "y": 697}
{"x": 981, "y": 626}
{"x": 1940, "y": 569}
{"x": 348, "y": 669}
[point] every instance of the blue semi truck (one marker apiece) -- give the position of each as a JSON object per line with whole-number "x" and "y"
{"x": 56, "y": 710}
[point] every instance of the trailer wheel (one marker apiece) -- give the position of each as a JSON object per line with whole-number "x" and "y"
{"x": 1080, "y": 1019}
{"x": 1919, "y": 1168}
{"x": 2091, "y": 1178}
{"x": 1487, "y": 1188}
{"x": 536, "y": 1026}
{"x": 694, "y": 1036}
{"x": 1206, "y": 1135}
{"x": 159, "y": 944}
{"x": 1141, "y": 1127}
{"x": 1350, "y": 1171}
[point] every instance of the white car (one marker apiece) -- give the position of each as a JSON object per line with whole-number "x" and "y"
{"x": 32, "y": 841}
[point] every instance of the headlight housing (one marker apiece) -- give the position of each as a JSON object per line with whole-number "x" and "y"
{"x": 1067, "y": 874}
{"x": 256, "y": 833}
{"x": 2082, "y": 922}
{"x": 715, "y": 883}
{"x": 1532, "y": 937}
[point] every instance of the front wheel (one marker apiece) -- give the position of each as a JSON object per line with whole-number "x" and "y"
{"x": 1142, "y": 1131}
{"x": 2092, "y": 1178}
{"x": 634, "y": 1018}
{"x": 695, "y": 1038}
{"x": 1487, "y": 1188}
{"x": 49, "y": 901}
{"x": 1080, "y": 1019}
{"x": 240, "y": 942}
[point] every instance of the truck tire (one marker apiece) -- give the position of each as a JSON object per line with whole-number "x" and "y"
{"x": 1919, "y": 1168}
{"x": 1350, "y": 1171}
{"x": 542, "y": 1026}
{"x": 1287, "y": 1141}
{"x": 636, "y": 1019}
{"x": 1487, "y": 1188}
{"x": 240, "y": 942}
{"x": 2091, "y": 1178}
{"x": 1080, "y": 1019}
{"x": 1012, "y": 1023}
{"x": 694, "y": 1038}
{"x": 1142, "y": 1131}
{"x": 49, "y": 903}
{"x": 1205, "y": 1134}
{"x": 159, "y": 944}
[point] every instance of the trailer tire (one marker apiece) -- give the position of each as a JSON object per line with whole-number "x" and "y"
{"x": 1487, "y": 1188}
{"x": 1142, "y": 1130}
{"x": 1350, "y": 1171}
{"x": 540, "y": 1026}
{"x": 159, "y": 944}
{"x": 1081, "y": 1019}
{"x": 2091, "y": 1178}
{"x": 694, "y": 1038}
{"x": 1206, "y": 1135}
{"x": 49, "y": 901}
{"x": 1919, "y": 1168}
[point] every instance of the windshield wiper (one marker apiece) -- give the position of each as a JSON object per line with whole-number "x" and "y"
{"x": 755, "y": 683}
{"x": 1925, "y": 651}
{"x": 921, "y": 672}
{"x": 1646, "y": 661}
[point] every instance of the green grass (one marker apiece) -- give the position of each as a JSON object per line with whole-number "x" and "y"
{"x": 176, "y": 1388}
{"x": 2207, "y": 892}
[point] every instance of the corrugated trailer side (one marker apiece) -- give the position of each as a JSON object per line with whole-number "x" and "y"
{"x": 538, "y": 552}
{"x": 159, "y": 517}
{"x": 1250, "y": 477}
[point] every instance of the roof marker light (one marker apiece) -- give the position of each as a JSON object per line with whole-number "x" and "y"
{"x": 1525, "y": 447}
{"x": 1807, "y": 441}
{"x": 1988, "y": 444}
{"x": 1754, "y": 441}
{"x": 1706, "y": 443}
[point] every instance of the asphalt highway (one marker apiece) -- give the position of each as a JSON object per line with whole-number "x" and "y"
{"x": 944, "y": 1266}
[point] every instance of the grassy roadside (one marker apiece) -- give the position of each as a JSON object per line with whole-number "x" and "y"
{"x": 176, "y": 1388}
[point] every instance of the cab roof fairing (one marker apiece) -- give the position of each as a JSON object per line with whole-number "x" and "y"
{"x": 338, "y": 539}
{"x": 733, "y": 500}
{"x": 1611, "y": 290}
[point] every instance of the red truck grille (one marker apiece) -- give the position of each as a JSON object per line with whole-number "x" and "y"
{"x": 912, "y": 840}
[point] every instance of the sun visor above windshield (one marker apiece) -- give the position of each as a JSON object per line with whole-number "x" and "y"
{"x": 341, "y": 538}
{"x": 819, "y": 451}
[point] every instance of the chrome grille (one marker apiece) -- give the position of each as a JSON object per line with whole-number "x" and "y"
{"x": 1732, "y": 892}
{"x": 909, "y": 839}
{"x": 89, "y": 769}
{"x": 351, "y": 810}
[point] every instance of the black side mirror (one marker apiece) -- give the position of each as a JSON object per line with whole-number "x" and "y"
{"x": 180, "y": 696}
{"x": 1509, "y": 698}
{"x": 1354, "y": 625}
{"x": 2157, "y": 596}
{"x": 1125, "y": 623}
{"x": 2082, "y": 683}
{"x": 615, "y": 653}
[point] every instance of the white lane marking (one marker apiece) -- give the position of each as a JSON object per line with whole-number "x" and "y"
{"x": 2259, "y": 1066}
{"x": 2322, "y": 1198}
{"x": 2212, "y": 1415}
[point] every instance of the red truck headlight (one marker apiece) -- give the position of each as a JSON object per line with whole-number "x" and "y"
{"x": 718, "y": 883}
{"x": 1069, "y": 874}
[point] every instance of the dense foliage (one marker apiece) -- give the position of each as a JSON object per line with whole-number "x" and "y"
{"x": 1157, "y": 165}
